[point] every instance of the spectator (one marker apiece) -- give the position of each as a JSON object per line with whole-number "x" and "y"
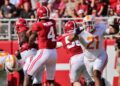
{"x": 90, "y": 4}
{"x": 99, "y": 6}
{"x": 42, "y": 2}
{"x": 81, "y": 5}
{"x": 55, "y": 14}
{"x": 69, "y": 5}
{"x": 33, "y": 4}
{"x": 80, "y": 13}
{"x": 59, "y": 5}
{"x": 21, "y": 2}
{"x": 72, "y": 13}
{"x": 27, "y": 12}
{"x": 8, "y": 10}
{"x": 105, "y": 8}
{"x": 111, "y": 12}
{"x": 112, "y": 1}
{"x": 14, "y": 2}
{"x": 1, "y": 2}
{"x": 116, "y": 7}
{"x": 94, "y": 12}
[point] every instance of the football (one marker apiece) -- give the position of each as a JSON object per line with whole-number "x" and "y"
{"x": 11, "y": 64}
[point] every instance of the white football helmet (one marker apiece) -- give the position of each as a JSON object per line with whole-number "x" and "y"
{"x": 12, "y": 64}
{"x": 88, "y": 23}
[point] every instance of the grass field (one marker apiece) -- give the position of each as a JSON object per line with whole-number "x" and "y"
{"x": 3, "y": 78}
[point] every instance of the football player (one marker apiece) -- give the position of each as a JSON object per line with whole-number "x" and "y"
{"x": 95, "y": 56}
{"x": 26, "y": 51}
{"x": 45, "y": 31}
{"x": 75, "y": 53}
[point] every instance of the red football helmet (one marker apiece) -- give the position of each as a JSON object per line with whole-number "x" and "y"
{"x": 21, "y": 25}
{"x": 42, "y": 12}
{"x": 70, "y": 26}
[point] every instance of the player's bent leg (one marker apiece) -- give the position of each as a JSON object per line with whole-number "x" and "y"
{"x": 76, "y": 69}
{"x": 88, "y": 79}
{"x": 97, "y": 78}
{"x": 98, "y": 67}
{"x": 37, "y": 78}
{"x": 50, "y": 67}
{"x": 27, "y": 80}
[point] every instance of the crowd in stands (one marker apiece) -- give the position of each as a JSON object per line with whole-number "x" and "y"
{"x": 60, "y": 8}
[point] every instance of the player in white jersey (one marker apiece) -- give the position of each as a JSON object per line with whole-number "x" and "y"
{"x": 75, "y": 53}
{"x": 95, "y": 56}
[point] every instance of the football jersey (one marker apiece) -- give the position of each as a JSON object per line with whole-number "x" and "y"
{"x": 46, "y": 33}
{"x": 93, "y": 43}
{"x": 72, "y": 48}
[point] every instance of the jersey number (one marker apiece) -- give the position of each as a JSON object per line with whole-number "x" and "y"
{"x": 93, "y": 40}
{"x": 72, "y": 44}
{"x": 51, "y": 34}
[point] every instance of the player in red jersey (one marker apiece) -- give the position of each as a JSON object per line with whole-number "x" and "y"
{"x": 45, "y": 31}
{"x": 26, "y": 51}
{"x": 75, "y": 52}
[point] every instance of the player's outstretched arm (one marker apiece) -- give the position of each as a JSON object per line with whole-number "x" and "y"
{"x": 112, "y": 29}
{"x": 74, "y": 35}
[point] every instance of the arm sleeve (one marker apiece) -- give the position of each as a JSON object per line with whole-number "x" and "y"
{"x": 59, "y": 43}
{"x": 84, "y": 38}
{"x": 101, "y": 28}
{"x": 35, "y": 27}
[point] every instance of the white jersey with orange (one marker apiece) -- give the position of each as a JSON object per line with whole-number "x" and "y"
{"x": 93, "y": 43}
{"x": 3, "y": 56}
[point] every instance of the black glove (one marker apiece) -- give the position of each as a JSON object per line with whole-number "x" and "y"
{"x": 17, "y": 54}
{"x": 116, "y": 27}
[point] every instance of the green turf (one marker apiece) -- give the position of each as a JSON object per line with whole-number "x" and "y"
{"x": 3, "y": 78}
